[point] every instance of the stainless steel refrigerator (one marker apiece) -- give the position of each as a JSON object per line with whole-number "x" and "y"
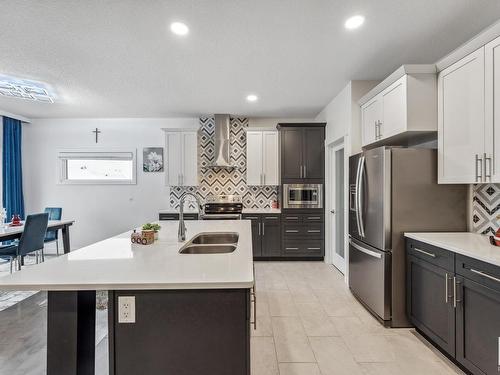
{"x": 393, "y": 190}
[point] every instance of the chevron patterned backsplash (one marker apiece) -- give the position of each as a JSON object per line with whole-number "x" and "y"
{"x": 485, "y": 208}
{"x": 224, "y": 181}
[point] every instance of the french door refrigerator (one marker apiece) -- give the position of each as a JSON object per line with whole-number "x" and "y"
{"x": 393, "y": 190}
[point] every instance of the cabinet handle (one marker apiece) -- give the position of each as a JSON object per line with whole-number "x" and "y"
{"x": 263, "y": 229}
{"x": 446, "y": 289}
{"x": 271, "y": 218}
{"x": 300, "y": 171}
{"x": 292, "y": 218}
{"x": 315, "y": 217}
{"x": 313, "y": 231}
{"x": 487, "y": 167}
{"x": 432, "y": 255}
{"x": 264, "y": 178}
{"x": 251, "y": 218}
{"x": 314, "y": 248}
{"x": 484, "y": 274}
{"x": 254, "y": 301}
{"x": 305, "y": 172}
{"x": 292, "y": 231}
{"x": 479, "y": 170}
{"x": 455, "y": 299}
{"x": 291, "y": 248}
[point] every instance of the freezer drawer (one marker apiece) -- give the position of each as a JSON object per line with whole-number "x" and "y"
{"x": 370, "y": 277}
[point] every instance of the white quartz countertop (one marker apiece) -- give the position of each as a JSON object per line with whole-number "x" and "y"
{"x": 176, "y": 211}
{"x": 116, "y": 263}
{"x": 473, "y": 245}
{"x": 261, "y": 211}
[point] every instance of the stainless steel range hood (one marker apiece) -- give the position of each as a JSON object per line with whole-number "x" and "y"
{"x": 222, "y": 151}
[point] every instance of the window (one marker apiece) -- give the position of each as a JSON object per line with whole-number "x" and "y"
{"x": 97, "y": 167}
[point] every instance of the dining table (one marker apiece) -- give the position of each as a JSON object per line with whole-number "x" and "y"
{"x": 9, "y": 232}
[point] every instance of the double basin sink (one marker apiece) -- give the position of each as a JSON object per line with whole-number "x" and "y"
{"x": 211, "y": 243}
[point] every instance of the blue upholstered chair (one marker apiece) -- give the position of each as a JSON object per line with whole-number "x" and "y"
{"x": 32, "y": 239}
{"x": 55, "y": 213}
{"x": 9, "y": 252}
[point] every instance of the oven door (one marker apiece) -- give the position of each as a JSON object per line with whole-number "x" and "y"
{"x": 303, "y": 195}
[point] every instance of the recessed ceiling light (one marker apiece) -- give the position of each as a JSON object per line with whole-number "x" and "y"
{"x": 252, "y": 98}
{"x": 354, "y": 22}
{"x": 179, "y": 28}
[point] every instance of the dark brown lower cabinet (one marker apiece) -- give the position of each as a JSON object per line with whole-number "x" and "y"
{"x": 188, "y": 332}
{"x": 266, "y": 235}
{"x": 478, "y": 327}
{"x": 429, "y": 303}
{"x": 456, "y": 304}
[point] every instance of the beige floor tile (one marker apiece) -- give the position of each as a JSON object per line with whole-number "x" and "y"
{"x": 281, "y": 303}
{"x": 291, "y": 341}
{"x": 263, "y": 356}
{"x": 333, "y": 356}
{"x": 315, "y": 320}
{"x": 335, "y": 305}
{"x": 264, "y": 326}
{"x": 370, "y": 348}
{"x": 299, "y": 369}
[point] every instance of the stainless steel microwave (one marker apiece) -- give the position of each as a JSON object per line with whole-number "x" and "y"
{"x": 302, "y": 196}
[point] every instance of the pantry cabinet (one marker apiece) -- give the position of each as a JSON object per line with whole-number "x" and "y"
{"x": 492, "y": 109}
{"x": 400, "y": 107}
{"x": 262, "y": 158}
{"x": 182, "y": 158}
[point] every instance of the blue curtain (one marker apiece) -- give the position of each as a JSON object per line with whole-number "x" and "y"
{"x": 12, "y": 174}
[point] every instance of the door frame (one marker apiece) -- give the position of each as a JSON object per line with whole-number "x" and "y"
{"x": 331, "y": 256}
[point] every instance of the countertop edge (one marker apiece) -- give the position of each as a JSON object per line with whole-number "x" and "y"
{"x": 457, "y": 250}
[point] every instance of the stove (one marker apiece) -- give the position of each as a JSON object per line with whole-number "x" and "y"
{"x": 222, "y": 207}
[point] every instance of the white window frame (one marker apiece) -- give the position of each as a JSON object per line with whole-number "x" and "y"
{"x": 64, "y": 154}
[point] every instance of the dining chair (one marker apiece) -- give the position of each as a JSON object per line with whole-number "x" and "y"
{"x": 9, "y": 252}
{"x": 32, "y": 239}
{"x": 55, "y": 213}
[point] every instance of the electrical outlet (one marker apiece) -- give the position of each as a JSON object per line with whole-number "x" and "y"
{"x": 126, "y": 309}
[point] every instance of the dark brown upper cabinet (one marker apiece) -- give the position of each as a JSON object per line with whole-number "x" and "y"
{"x": 302, "y": 152}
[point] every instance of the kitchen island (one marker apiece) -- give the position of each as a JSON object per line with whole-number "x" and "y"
{"x": 182, "y": 313}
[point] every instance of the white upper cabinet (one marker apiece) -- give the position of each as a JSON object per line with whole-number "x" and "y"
{"x": 461, "y": 116}
{"x": 182, "y": 157}
{"x": 400, "y": 107}
{"x": 492, "y": 115}
{"x": 262, "y": 157}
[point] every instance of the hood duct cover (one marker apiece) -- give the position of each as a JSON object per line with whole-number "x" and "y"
{"x": 222, "y": 141}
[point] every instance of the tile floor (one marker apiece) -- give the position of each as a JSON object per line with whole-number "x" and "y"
{"x": 308, "y": 323}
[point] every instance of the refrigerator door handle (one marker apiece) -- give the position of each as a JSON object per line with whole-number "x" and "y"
{"x": 356, "y": 196}
{"x": 360, "y": 196}
{"x": 366, "y": 251}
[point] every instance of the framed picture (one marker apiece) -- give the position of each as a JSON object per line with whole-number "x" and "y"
{"x": 152, "y": 159}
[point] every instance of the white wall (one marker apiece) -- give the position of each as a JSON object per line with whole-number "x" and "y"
{"x": 100, "y": 211}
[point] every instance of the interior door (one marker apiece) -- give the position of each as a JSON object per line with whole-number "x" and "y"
{"x": 254, "y": 158}
{"x": 174, "y": 167}
{"x": 270, "y": 168}
{"x": 314, "y": 153}
{"x": 189, "y": 175}
{"x": 291, "y": 156}
{"x": 336, "y": 210}
{"x": 371, "y": 113}
{"x": 461, "y": 120}
{"x": 375, "y": 198}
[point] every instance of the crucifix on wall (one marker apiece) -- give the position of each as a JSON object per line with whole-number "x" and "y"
{"x": 96, "y": 131}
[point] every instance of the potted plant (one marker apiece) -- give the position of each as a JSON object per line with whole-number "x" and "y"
{"x": 154, "y": 227}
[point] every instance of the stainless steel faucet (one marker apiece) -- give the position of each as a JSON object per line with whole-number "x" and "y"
{"x": 181, "y": 234}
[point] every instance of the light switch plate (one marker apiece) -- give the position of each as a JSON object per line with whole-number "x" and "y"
{"x": 126, "y": 309}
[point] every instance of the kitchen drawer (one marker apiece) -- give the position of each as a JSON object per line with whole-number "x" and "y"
{"x": 176, "y": 217}
{"x": 480, "y": 272}
{"x": 432, "y": 254}
{"x": 304, "y": 248}
{"x": 270, "y": 219}
{"x": 305, "y": 218}
{"x": 314, "y": 230}
{"x": 292, "y": 218}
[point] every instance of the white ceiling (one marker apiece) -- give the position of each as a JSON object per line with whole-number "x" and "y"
{"x": 117, "y": 58}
